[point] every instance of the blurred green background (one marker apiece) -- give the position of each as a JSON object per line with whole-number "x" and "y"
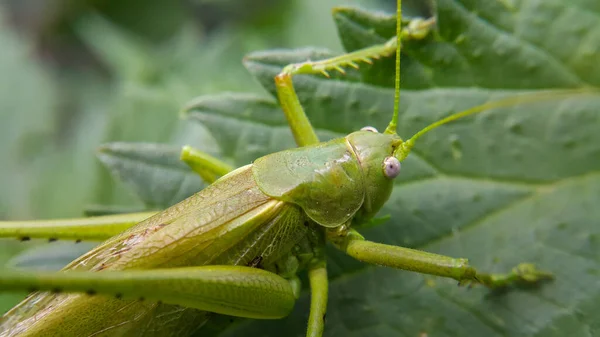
{"x": 76, "y": 74}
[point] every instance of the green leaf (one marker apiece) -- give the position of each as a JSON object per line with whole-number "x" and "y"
{"x": 507, "y": 186}
{"x": 153, "y": 171}
{"x": 255, "y": 122}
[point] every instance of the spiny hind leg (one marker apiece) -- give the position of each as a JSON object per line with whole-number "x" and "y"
{"x": 303, "y": 132}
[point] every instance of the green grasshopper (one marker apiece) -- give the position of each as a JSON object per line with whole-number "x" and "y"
{"x": 236, "y": 247}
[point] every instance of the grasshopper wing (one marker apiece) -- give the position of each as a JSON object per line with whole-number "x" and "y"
{"x": 197, "y": 231}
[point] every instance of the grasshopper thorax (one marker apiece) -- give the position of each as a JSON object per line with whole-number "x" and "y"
{"x": 334, "y": 181}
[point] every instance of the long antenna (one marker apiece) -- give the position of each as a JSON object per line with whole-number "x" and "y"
{"x": 404, "y": 147}
{"x": 392, "y": 127}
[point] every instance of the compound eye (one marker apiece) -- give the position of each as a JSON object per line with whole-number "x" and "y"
{"x": 370, "y": 129}
{"x": 391, "y": 167}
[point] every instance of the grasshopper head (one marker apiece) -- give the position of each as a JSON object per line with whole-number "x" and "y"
{"x": 375, "y": 154}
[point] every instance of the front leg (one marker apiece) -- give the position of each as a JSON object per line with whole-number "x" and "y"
{"x": 353, "y": 244}
{"x": 303, "y": 132}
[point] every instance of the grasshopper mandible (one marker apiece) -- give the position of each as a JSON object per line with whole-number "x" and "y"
{"x": 236, "y": 247}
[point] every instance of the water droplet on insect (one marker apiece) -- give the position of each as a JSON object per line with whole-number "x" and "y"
{"x": 562, "y": 226}
{"x": 476, "y": 197}
{"x": 455, "y": 147}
